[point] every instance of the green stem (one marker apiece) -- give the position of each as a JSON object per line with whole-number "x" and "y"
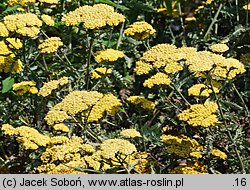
{"x": 241, "y": 98}
{"x": 181, "y": 95}
{"x": 120, "y": 36}
{"x": 237, "y": 12}
{"x": 88, "y": 62}
{"x": 213, "y": 22}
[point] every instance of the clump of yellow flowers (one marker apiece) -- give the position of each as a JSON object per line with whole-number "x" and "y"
{"x": 182, "y": 146}
{"x": 48, "y": 20}
{"x": 50, "y": 45}
{"x": 140, "y": 30}
{"x": 108, "y": 55}
{"x": 91, "y": 104}
{"x": 130, "y": 133}
{"x": 61, "y": 127}
{"x": 8, "y": 60}
{"x": 99, "y": 72}
{"x": 218, "y": 153}
{"x": 141, "y": 101}
{"x": 24, "y": 87}
{"x": 25, "y": 24}
{"x": 219, "y": 48}
{"x": 28, "y": 137}
{"x": 200, "y": 114}
{"x": 93, "y": 17}
{"x": 48, "y": 87}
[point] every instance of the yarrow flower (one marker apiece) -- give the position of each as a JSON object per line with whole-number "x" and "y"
{"x": 61, "y": 127}
{"x": 48, "y": 20}
{"x": 8, "y": 60}
{"x": 108, "y": 55}
{"x": 14, "y": 43}
{"x": 216, "y": 152}
{"x": 51, "y": 2}
{"x": 219, "y": 48}
{"x": 20, "y": 2}
{"x": 3, "y": 30}
{"x": 109, "y": 148}
{"x": 28, "y": 137}
{"x": 50, "y": 45}
{"x": 130, "y": 133}
{"x": 200, "y": 115}
{"x": 91, "y": 104}
{"x": 246, "y": 7}
{"x": 202, "y": 90}
{"x": 143, "y": 102}
{"x": 25, "y": 87}
{"x": 140, "y": 30}
{"x": 94, "y": 17}
{"x": 48, "y": 87}
{"x": 26, "y": 24}
{"x": 99, "y": 72}
{"x": 182, "y": 146}
{"x": 157, "y": 79}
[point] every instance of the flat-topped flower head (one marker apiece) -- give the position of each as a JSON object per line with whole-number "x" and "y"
{"x": 219, "y": 48}
{"x": 182, "y": 146}
{"x": 25, "y": 87}
{"x": 48, "y": 87}
{"x": 141, "y": 101}
{"x": 140, "y": 30}
{"x": 108, "y": 55}
{"x": 94, "y": 17}
{"x": 3, "y": 30}
{"x": 99, "y": 72}
{"x": 50, "y": 45}
{"x": 200, "y": 115}
{"x": 26, "y": 24}
{"x": 130, "y": 133}
{"x": 48, "y": 20}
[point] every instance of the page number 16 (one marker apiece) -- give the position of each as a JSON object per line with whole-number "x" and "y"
{"x": 241, "y": 182}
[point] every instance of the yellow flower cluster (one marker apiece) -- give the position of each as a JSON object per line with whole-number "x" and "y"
{"x": 50, "y": 45}
{"x": 3, "y": 30}
{"x": 48, "y": 20}
{"x": 14, "y": 43}
{"x": 219, "y": 48}
{"x": 182, "y": 146}
{"x": 64, "y": 154}
{"x": 202, "y": 90}
{"x": 143, "y": 102}
{"x": 157, "y": 79}
{"x": 61, "y": 127}
{"x": 140, "y": 30}
{"x": 168, "y": 59}
{"x": 25, "y": 87}
{"x": 26, "y": 24}
{"x": 20, "y": 2}
{"x": 228, "y": 68}
{"x": 108, "y": 55}
{"x": 160, "y": 56}
{"x": 246, "y": 7}
{"x": 109, "y": 148}
{"x": 91, "y": 104}
{"x": 51, "y": 2}
{"x": 190, "y": 168}
{"x": 8, "y": 61}
{"x": 216, "y": 152}
{"x": 130, "y": 133}
{"x": 48, "y": 87}
{"x": 28, "y": 137}
{"x": 100, "y": 72}
{"x": 94, "y": 17}
{"x": 200, "y": 114}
